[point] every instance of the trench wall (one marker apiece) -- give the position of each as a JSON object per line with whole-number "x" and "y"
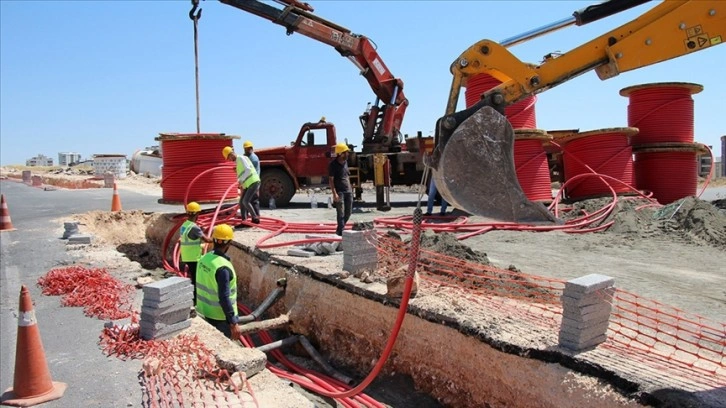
{"x": 351, "y": 327}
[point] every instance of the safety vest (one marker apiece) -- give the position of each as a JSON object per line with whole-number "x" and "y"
{"x": 207, "y": 289}
{"x": 245, "y": 164}
{"x": 191, "y": 249}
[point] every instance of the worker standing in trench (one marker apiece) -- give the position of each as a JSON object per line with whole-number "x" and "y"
{"x": 217, "y": 285}
{"x": 339, "y": 176}
{"x": 249, "y": 182}
{"x": 190, "y": 240}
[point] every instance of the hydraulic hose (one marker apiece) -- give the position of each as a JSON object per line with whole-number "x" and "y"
{"x": 273, "y": 297}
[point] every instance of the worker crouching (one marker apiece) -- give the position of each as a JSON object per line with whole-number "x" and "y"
{"x": 217, "y": 285}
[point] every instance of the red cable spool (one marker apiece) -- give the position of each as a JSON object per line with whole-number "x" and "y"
{"x": 520, "y": 114}
{"x": 185, "y": 156}
{"x": 605, "y": 151}
{"x": 531, "y": 165}
{"x": 663, "y": 112}
{"x": 670, "y": 171}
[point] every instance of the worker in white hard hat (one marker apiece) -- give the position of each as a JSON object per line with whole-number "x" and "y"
{"x": 339, "y": 180}
{"x": 249, "y": 182}
{"x": 190, "y": 243}
{"x": 217, "y": 285}
{"x": 250, "y": 153}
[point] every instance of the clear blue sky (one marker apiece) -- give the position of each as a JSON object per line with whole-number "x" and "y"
{"x": 107, "y": 76}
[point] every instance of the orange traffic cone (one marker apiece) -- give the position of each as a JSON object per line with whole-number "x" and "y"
{"x": 32, "y": 384}
{"x": 116, "y": 202}
{"x": 5, "y": 223}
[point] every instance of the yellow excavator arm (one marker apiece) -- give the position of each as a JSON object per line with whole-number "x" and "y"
{"x": 481, "y": 137}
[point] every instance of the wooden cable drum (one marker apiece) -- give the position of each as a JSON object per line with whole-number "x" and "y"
{"x": 663, "y": 112}
{"x": 531, "y": 165}
{"x": 185, "y": 156}
{"x": 668, "y": 170}
{"x": 604, "y": 151}
{"x": 520, "y": 114}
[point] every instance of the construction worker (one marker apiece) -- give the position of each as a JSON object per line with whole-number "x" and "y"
{"x": 432, "y": 197}
{"x": 250, "y": 153}
{"x": 190, "y": 240}
{"x": 339, "y": 179}
{"x": 217, "y": 285}
{"x": 249, "y": 183}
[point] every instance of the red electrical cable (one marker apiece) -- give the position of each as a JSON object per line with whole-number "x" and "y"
{"x": 520, "y": 114}
{"x": 186, "y": 156}
{"x": 601, "y": 152}
{"x": 670, "y": 175}
{"x": 662, "y": 112}
{"x": 533, "y": 172}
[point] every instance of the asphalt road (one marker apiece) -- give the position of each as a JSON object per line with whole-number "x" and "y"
{"x": 70, "y": 339}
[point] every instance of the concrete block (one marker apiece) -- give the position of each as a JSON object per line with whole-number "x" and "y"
{"x": 602, "y": 296}
{"x": 567, "y": 322}
{"x": 186, "y": 292}
{"x": 300, "y": 252}
{"x": 588, "y": 284}
{"x": 167, "y": 285}
{"x": 359, "y": 259}
{"x": 165, "y": 331}
{"x": 244, "y": 360}
{"x": 185, "y": 298}
{"x": 584, "y": 333}
{"x": 596, "y": 314}
{"x": 360, "y": 249}
{"x": 172, "y": 317}
{"x": 79, "y": 239}
{"x": 577, "y": 346}
{"x": 159, "y": 311}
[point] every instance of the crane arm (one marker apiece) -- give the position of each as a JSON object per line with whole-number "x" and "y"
{"x": 382, "y": 124}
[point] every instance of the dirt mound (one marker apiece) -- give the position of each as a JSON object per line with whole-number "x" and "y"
{"x": 447, "y": 244}
{"x": 691, "y": 219}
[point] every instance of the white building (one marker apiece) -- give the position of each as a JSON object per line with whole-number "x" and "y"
{"x": 39, "y": 160}
{"x": 66, "y": 159}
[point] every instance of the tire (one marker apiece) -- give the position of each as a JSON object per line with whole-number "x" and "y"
{"x": 278, "y": 184}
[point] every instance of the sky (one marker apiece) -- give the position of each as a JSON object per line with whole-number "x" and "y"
{"x": 106, "y": 77}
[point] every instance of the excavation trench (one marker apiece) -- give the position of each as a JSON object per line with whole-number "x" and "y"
{"x": 457, "y": 361}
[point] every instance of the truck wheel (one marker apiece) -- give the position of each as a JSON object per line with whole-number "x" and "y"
{"x": 278, "y": 184}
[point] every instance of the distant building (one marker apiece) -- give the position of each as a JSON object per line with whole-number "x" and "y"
{"x": 39, "y": 160}
{"x": 68, "y": 159}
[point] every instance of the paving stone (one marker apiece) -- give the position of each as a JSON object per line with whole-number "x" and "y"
{"x": 567, "y": 322}
{"x": 573, "y": 345}
{"x": 603, "y": 296}
{"x": 79, "y": 239}
{"x": 585, "y": 333}
{"x": 359, "y": 259}
{"x": 181, "y": 293}
{"x": 599, "y": 314}
{"x": 588, "y": 284}
{"x": 172, "y": 317}
{"x": 301, "y": 253}
{"x": 148, "y": 333}
{"x": 165, "y": 286}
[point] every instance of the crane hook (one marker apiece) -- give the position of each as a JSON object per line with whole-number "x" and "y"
{"x": 195, "y": 14}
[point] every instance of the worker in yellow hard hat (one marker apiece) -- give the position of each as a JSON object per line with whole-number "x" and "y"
{"x": 339, "y": 180}
{"x": 249, "y": 183}
{"x": 190, "y": 241}
{"x": 250, "y": 153}
{"x": 217, "y": 285}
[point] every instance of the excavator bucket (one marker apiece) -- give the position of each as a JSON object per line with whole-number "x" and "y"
{"x": 473, "y": 168}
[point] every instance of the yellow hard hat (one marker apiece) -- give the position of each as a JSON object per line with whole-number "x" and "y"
{"x": 341, "y": 148}
{"x": 247, "y": 144}
{"x": 223, "y": 232}
{"x": 226, "y": 151}
{"x": 193, "y": 207}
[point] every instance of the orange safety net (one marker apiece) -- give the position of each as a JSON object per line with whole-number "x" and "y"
{"x": 661, "y": 338}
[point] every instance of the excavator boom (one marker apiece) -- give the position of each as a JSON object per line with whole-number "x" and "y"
{"x": 671, "y": 29}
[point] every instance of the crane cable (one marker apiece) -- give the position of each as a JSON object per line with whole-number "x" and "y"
{"x": 195, "y": 14}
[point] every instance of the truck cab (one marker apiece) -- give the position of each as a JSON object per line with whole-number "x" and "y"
{"x": 302, "y": 165}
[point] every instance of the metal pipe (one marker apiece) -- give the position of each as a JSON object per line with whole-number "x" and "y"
{"x": 528, "y": 35}
{"x": 269, "y": 301}
{"x": 324, "y": 364}
{"x": 279, "y": 343}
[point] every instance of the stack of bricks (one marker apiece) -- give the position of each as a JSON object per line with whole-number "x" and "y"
{"x": 586, "y": 307}
{"x": 166, "y": 307}
{"x": 359, "y": 253}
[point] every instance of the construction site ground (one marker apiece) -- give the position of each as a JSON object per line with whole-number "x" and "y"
{"x": 678, "y": 260}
